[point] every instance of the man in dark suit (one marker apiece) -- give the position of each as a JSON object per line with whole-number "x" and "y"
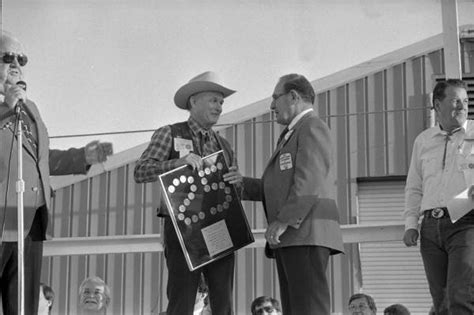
{"x": 38, "y": 164}
{"x": 297, "y": 189}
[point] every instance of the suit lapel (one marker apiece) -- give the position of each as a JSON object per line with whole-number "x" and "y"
{"x": 29, "y": 148}
{"x": 287, "y": 138}
{"x": 33, "y": 114}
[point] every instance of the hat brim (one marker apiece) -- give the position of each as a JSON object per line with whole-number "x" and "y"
{"x": 182, "y": 95}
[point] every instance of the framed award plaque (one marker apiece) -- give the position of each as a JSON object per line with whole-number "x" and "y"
{"x": 206, "y": 211}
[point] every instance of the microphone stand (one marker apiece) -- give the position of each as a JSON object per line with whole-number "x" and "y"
{"x": 20, "y": 189}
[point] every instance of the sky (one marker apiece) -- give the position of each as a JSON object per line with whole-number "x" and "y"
{"x": 98, "y": 66}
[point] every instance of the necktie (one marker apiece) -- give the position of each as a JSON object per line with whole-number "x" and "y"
{"x": 447, "y": 138}
{"x": 282, "y": 135}
{"x": 206, "y": 144}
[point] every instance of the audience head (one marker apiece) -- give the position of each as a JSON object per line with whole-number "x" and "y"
{"x": 265, "y": 305}
{"x": 46, "y": 299}
{"x": 362, "y": 304}
{"x": 94, "y": 294}
{"x": 396, "y": 309}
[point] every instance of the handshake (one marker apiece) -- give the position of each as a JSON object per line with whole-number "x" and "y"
{"x": 97, "y": 152}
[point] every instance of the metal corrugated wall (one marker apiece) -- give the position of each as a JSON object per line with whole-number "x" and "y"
{"x": 373, "y": 120}
{"x": 391, "y": 272}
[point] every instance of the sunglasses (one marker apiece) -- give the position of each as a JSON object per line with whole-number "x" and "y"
{"x": 9, "y": 57}
{"x": 268, "y": 309}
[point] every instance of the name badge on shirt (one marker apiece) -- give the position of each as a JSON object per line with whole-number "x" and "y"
{"x": 467, "y": 146}
{"x": 285, "y": 161}
{"x": 183, "y": 146}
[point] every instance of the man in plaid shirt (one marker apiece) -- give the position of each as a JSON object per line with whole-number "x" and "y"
{"x": 181, "y": 144}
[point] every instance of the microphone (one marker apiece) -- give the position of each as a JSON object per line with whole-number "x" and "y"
{"x": 21, "y": 84}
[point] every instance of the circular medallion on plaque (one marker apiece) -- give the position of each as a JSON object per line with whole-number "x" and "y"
{"x": 204, "y": 180}
{"x": 186, "y": 202}
{"x": 182, "y": 179}
{"x": 207, "y": 171}
{"x": 207, "y": 188}
{"x": 219, "y": 208}
{"x": 171, "y": 189}
{"x": 213, "y": 168}
{"x": 227, "y": 190}
{"x": 228, "y": 198}
{"x": 225, "y": 205}
{"x": 219, "y": 166}
{"x": 213, "y": 210}
{"x": 214, "y": 186}
{"x": 191, "y": 196}
{"x": 181, "y": 217}
{"x": 201, "y": 173}
{"x": 190, "y": 179}
{"x": 195, "y": 218}
{"x": 176, "y": 182}
{"x": 182, "y": 208}
{"x": 187, "y": 221}
{"x": 221, "y": 185}
{"x": 193, "y": 188}
{"x": 201, "y": 215}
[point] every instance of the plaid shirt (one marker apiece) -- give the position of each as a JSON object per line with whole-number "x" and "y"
{"x": 154, "y": 160}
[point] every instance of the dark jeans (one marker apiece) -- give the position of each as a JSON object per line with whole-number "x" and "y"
{"x": 303, "y": 283}
{"x": 448, "y": 256}
{"x": 182, "y": 283}
{"x": 9, "y": 275}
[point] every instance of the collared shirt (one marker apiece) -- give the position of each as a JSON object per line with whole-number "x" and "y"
{"x": 154, "y": 160}
{"x": 429, "y": 185}
{"x": 298, "y": 117}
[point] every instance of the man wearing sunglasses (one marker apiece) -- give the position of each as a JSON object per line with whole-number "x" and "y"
{"x": 38, "y": 164}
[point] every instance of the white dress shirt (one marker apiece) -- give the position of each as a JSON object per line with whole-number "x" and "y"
{"x": 429, "y": 185}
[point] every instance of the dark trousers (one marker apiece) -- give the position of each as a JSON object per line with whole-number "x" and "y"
{"x": 9, "y": 275}
{"x": 448, "y": 257}
{"x": 303, "y": 283}
{"x": 182, "y": 283}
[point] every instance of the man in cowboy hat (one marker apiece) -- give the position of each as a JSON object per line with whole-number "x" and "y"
{"x": 180, "y": 144}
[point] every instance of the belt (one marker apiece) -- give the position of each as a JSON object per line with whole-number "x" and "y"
{"x": 436, "y": 213}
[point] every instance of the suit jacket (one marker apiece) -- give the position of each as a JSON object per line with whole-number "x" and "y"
{"x": 36, "y": 171}
{"x": 298, "y": 187}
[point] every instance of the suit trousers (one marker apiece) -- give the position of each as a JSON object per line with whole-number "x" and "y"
{"x": 447, "y": 250}
{"x": 182, "y": 283}
{"x": 304, "y": 286}
{"x": 9, "y": 275}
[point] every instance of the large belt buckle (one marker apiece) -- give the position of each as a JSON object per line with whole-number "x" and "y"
{"x": 437, "y": 213}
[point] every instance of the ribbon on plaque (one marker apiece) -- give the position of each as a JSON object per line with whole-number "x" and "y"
{"x": 206, "y": 211}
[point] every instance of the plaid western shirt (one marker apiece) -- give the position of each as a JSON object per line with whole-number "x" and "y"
{"x": 154, "y": 160}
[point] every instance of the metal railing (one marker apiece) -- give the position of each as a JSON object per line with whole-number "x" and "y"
{"x": 68, "y": 246}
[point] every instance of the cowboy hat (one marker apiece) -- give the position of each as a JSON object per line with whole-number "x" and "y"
{"x": 204, "y": 82}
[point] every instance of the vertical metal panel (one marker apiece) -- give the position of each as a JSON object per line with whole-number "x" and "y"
{"x": 376, "y": 144}
{"x": 395, "y": 122}
{"x": 357, "y": 129}
{"x": 416, "y": 99}
{"x": 340, "y": 143}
